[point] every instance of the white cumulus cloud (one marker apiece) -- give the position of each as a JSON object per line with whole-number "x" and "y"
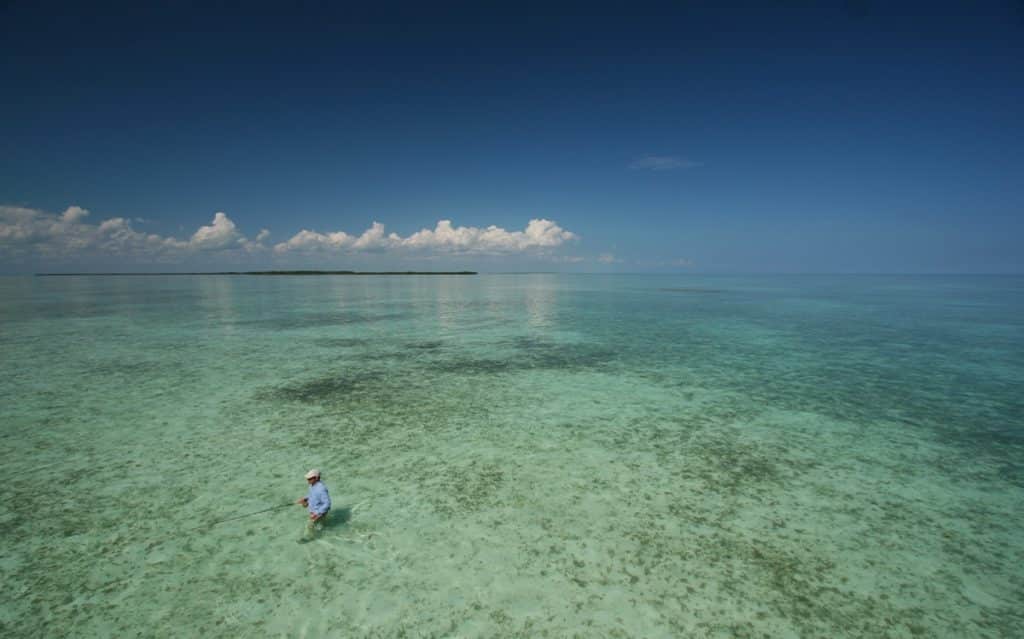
{"x": 30, "y": 231}
{"x": 221, "y": 233}
{"x": 27, "y": 232}
{"x": 306, "y": 240}
{"x": 539, "y": 234}
{"x": 73, "y": 214}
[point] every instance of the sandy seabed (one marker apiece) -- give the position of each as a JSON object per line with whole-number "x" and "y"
{"x": 514, "y": 456}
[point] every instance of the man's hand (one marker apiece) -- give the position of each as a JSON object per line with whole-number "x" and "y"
{"x": 314, "y": 516}
{"x": 304, "y": 501}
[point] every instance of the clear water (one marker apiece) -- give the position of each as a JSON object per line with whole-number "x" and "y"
{"x": 528, "y": 455}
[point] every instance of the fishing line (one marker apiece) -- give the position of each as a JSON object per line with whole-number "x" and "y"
{"x": 258, "y": 512}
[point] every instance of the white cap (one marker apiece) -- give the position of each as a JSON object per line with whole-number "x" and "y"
{"x": 313, "y": 473}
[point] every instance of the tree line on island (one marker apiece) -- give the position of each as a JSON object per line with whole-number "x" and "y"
{"x": 276, "y": 273}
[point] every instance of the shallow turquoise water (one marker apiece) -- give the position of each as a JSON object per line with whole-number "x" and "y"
{"x": 514, "y": 455}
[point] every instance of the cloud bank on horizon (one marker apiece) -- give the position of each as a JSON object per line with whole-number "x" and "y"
{"x": 27, "y": 232}
{"x": 539, "y": 234}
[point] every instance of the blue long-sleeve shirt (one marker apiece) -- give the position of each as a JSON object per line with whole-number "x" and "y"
{"x": 319, "y": 500}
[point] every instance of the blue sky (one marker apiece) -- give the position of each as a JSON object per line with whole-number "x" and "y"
{"x": 801, "y": 137}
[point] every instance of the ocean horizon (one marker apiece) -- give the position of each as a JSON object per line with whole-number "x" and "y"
{"x": 511, "y": 455}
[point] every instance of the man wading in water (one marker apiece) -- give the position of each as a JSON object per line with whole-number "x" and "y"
{"x": 317, "y": 501}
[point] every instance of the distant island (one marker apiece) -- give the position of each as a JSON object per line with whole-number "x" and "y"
{"x": 274, "y": 273}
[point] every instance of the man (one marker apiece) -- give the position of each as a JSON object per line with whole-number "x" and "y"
{"x": 317, "y": 501}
